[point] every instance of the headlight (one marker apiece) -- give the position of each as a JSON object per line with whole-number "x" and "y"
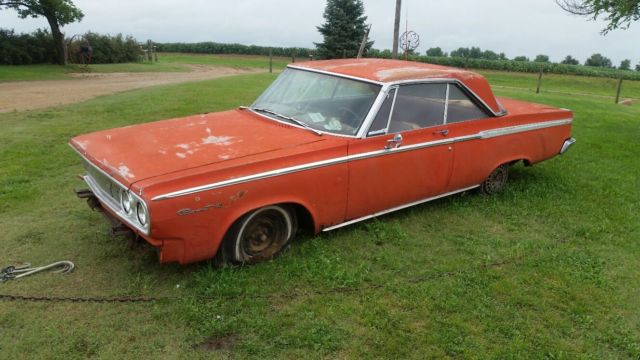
{"x": 127, "y": 201}
{"x": 142, "y": 214}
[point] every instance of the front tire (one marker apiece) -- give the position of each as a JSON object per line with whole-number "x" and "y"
{"x": 497, "y": 180}
{"x": 261, "y": 234}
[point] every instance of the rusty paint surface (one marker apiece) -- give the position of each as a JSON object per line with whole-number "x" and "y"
{"x": 387, "y": 71}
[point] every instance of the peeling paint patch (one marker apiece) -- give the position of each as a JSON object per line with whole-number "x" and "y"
{"x": 124, "y": 171}
{"x": 217, "y": 140}
{"x": 181, "y": 155}
{"x": 83, "y": 144}
{"x": 224, "y": 157}
{"x": 239, "y": 195}
{"x": 183, "y": 146}
{"x": 413, "y": 71}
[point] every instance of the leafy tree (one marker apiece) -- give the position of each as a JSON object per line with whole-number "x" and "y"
{"x": 598, "y": 60}
{"x": 625, "y": 65}
{"x": 57, "y": 12}
{"x": 436, "y": 52}
{"x": 503, "y": 56}
{"x": 542, "y": 58}
{"x": 343, "y": 29}
{"x": 618, "y": 13}
{"x": 490, "y": 55}
{"x": 638, "y": 67}
{"x": 569, "y": 60}
{"x": 467, "y": 53}
{"x": 521, "y": 58}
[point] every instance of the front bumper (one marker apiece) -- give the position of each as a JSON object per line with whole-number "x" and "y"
{"x": 169, "y": 250}
{"x": 117, "y": 226}
{"x": 567, "y": 145}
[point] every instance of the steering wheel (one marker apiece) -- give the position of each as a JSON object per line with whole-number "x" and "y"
{"x": 348, "y": 116}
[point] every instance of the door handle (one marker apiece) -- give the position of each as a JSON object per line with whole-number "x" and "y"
{"x": 444, "y": 132}
{"x": 394, "y": 143}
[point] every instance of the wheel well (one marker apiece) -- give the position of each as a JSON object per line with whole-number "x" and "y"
{"x": 305, "y": 220}
{"x": 525, "y": 162}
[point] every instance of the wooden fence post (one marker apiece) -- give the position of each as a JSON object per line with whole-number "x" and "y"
{"x": 619, "y": 90}
{"x": 270, "y": 60}
{"x": 539, "y": 82}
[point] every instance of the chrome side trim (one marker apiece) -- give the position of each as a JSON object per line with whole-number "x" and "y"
{"x": 380, "y": 213}
{"x": 487, "y": 134}
{"x": 567, "y": 145}
{"x": 343, "y": 159}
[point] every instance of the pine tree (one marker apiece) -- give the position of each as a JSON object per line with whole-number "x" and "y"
{"x": 343, "y": 29}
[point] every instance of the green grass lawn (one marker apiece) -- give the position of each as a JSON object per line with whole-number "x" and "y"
{"x": 548, "y": 269}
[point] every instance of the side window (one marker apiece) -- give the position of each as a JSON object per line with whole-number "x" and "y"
{"x": 461, "y": 108}
{"x": 379, "y": 125}
{"x": 418, "y": 106}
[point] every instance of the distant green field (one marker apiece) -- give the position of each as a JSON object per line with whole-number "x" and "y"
{"x": 236, "y": 61}
{"x": 567, "y": 84}
{"x": 548, "y": 269}
{"x": 166, "y": 63}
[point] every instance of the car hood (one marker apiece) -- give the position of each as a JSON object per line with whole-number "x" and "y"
{"x": 134, "y": 153}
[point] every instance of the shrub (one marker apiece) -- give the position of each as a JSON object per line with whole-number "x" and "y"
{"x": 38, "y": 48}
{"x": 25, "y": 49}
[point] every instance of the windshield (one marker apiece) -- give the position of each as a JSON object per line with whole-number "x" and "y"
{"x": 322, "y": 102}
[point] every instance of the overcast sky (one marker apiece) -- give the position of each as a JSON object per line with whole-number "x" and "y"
{"x": 515, "y": 27}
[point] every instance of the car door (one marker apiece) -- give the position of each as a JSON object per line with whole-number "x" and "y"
{"x": 406, "y": 156}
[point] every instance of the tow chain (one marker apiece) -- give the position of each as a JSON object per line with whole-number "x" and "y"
{"x": 20, "y": 271}
{"x": 291, "y": 295}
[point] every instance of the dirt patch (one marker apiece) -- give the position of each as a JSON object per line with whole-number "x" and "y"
{"x": 217, "y": 343}
{"x": 29, "y": 95}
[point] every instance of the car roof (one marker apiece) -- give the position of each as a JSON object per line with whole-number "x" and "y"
{"x": 392, "y": 71}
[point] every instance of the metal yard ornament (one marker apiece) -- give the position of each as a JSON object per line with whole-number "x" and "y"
{"x": 409, "y": 41}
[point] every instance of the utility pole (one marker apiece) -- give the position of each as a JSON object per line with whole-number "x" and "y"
{"x": 396, "y": 29}
{"x": 365, "y": 38}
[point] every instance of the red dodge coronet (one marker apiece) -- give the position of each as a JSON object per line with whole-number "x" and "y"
{"x": 328, "y": 144}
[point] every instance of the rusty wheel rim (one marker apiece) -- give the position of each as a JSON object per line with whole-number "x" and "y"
{"x": 496, "y": 180}
{"x": 264, "y": 234}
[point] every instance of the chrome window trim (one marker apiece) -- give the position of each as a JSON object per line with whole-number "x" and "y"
{"x": 487, "y": 108}
{"x": 393, "y": 107}
{"x": 446, "y": 104}
{"x": 110, "y": 203}
{"x": 485, "y": 134}
{"x": 335, "y": 74}
{"x": 373, "y": 111}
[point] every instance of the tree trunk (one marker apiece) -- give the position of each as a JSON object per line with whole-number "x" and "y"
{"x": 58, "y": 41}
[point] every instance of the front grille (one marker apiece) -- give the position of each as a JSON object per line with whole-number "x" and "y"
{"x": 108, "y": 186}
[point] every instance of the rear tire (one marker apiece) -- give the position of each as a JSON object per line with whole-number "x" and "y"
{"x": 497, "y": 180}
{"x": 260, "y": 235}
